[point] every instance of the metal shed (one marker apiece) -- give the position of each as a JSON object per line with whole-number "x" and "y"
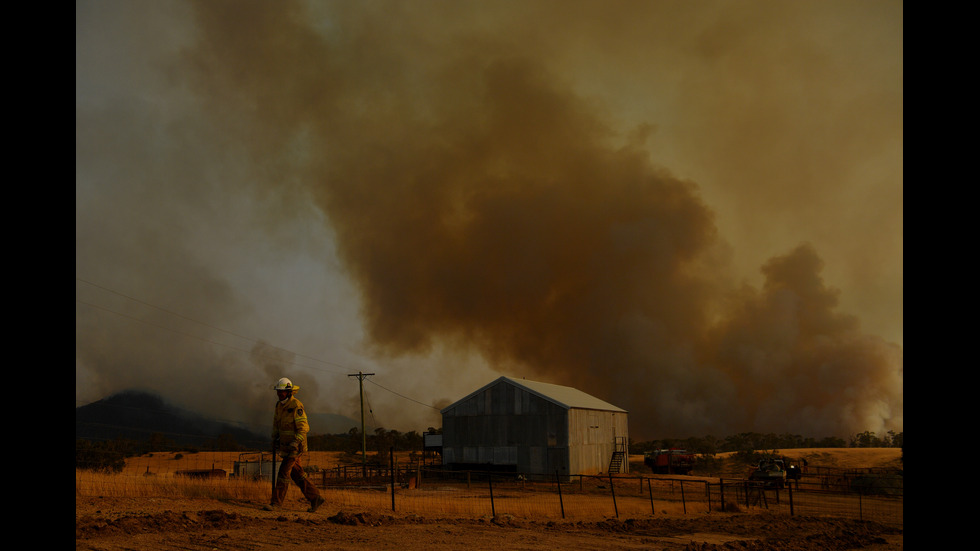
{"x": 534, "y": 428}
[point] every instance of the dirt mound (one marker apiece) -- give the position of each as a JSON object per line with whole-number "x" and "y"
{"x": 168, "y": 521}
{"x": 361, "y": 519}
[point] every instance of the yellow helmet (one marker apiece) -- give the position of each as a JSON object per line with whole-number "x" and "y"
{"x": 286, "y": 384}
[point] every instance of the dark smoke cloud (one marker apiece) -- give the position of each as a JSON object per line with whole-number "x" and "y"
{"x": 483, "y": 204}
{"x": 793, "y": 360}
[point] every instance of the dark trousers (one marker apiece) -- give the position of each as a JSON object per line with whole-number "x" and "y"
{"x": 290, "y": 468}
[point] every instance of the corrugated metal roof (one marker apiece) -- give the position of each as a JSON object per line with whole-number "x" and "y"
{"x": 564, "y": 396}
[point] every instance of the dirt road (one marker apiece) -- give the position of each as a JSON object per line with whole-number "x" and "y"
{"x": 107, "y": 524}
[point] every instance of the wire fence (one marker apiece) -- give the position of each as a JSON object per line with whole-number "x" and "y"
{"x": 412, "y": 487}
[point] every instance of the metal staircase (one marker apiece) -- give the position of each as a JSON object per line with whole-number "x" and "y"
{"x": 619, "y": 456}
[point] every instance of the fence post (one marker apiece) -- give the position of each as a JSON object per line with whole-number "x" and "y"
{"x": 560, "y": 500}
{"x": 650, "y": 490}
{"x": 707, "y": 492}
{"x": 612, "y": 488}
{"x": 391, "y": 463}
{"x": 683, "y": 499}
{"x": 274, "y": 474}
{"x": 493, "y": 510}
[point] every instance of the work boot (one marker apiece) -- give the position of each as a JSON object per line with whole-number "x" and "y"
{"x": 315, "y": 504}
{"x": 271, "y": 507}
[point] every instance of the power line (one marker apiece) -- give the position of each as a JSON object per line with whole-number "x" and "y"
{"x": 403, "y": 396}
{"x": 360, "y": 383}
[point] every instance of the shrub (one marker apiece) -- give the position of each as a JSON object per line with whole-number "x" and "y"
{"x": 879, "y": 484}
{"x": 98, "y": 457}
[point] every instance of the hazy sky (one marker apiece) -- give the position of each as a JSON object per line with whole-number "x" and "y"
{"x": 692, "y": 210}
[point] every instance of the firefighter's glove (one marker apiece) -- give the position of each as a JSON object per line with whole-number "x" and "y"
{"x": 293, "y": 446}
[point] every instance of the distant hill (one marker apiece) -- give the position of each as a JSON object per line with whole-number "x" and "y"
{"x": 136, "y": 415}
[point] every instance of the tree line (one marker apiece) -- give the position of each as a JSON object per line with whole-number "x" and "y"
{"x": 109, "y": 455}
{"x": 747, "y": 441}
{"x": 379, "y": 442}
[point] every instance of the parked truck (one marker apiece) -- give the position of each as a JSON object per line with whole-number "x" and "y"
{"x": 670, "y": 461}
{"x": 771, "y": 472}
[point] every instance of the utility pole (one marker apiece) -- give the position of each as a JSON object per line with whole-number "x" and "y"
{"x": 360, "y": 383}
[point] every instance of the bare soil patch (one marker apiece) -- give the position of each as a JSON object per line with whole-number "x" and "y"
{"x": 117, "y": 523}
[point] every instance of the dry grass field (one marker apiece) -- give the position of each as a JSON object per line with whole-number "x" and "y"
{"x": 149, "y": 507}
{"x": 846, "y": 458}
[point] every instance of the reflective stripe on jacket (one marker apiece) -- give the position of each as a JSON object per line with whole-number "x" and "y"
{"x": 290, "y": 424}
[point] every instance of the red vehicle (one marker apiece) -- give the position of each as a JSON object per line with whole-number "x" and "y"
{"x": 672, "y": 461}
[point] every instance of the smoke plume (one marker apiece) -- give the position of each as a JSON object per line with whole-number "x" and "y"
{"x": 488, "y": 208}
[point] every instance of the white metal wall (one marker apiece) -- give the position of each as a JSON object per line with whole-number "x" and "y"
{"x": 507, "y": 425}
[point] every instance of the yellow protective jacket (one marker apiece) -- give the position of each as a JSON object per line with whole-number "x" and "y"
{"x": 290, "y": 425}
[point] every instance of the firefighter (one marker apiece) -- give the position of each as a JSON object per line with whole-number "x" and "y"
{"x": 289, "y": 430}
